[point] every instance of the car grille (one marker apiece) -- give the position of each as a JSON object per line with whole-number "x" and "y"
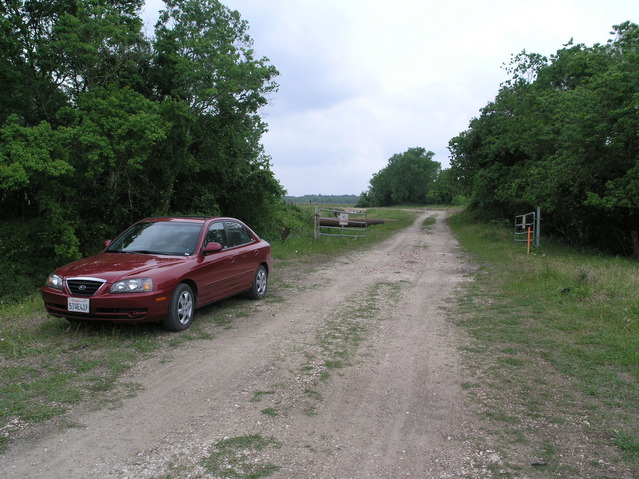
{"x": 84, "y": 286}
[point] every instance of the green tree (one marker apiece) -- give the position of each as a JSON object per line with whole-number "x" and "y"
{"x": 96, "y": 44}
{"x": 26, "y": 31}
{"x": 205, "y": 60}
{"x": 561, "y": 135}
{"x": 111, "y": 137}
{"x": 407, "y": 178}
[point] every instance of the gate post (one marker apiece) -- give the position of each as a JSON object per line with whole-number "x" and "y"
{"x": 538, "y": 227}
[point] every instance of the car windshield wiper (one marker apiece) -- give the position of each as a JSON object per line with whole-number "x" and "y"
{"x": 142, "y": 251}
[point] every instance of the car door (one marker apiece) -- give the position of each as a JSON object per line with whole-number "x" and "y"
{"x": 217, "y": 271}
{"x": 246, "y": 255}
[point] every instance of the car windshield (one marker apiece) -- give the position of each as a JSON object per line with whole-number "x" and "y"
{"x": 160, "y": 237}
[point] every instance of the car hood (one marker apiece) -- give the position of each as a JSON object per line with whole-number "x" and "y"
{"x": 114, "y": 266}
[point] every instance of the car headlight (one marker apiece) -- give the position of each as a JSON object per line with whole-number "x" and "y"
{"x": 136, "y": 285}
{"x": 54, "y": 281}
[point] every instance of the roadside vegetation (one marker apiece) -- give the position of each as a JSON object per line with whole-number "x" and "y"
{"x": 553, "y": 354}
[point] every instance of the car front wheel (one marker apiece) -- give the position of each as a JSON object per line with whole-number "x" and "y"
{"x": 258, "y": 289}
{"x": 181, "y": 308}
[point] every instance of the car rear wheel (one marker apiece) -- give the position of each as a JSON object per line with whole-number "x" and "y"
{"x": 181, "y": 308}
{"x": 258, "y": 289}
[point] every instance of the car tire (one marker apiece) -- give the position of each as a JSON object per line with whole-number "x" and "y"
{"x": 181, "y": 309}
{"x": 258, "y": 289}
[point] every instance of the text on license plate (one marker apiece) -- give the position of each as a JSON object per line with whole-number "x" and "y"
{"x": 78, "y": 305}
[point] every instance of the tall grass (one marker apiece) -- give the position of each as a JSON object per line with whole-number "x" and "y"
{"x": 556, "y": 340}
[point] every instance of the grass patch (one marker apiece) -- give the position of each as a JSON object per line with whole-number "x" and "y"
{"x": 241, "y": 457}
{"x": 428, "y": 222}
{"x": 49, "y": 364}
{"x": 554, "y": 341}
{"x": 258, "y": 395}
{"x": 627, "y": 442}
{"x": 342, "y": 334}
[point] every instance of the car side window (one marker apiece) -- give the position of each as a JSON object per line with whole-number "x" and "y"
{"x": 238, "y": 235}
{"x": 217, "y": 234}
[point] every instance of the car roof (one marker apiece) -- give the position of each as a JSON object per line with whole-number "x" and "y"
{"x": 177, "y": 218}
{"x": 187, "y": 218}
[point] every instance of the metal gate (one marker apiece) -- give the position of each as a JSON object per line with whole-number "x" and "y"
{"x": 340, "y": 223}
{"x": 527, "y": 228}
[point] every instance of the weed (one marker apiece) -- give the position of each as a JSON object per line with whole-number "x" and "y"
{"x": 257, "y": 395}
{"x": 628, "y": 443}
{"x": 241, "y": 457}
{"x": 313, "y": 394}
{"x": 428, "y": 222}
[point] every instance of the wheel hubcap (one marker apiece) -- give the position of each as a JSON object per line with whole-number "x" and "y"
{"x": 260, "y": 282}
{"x": 184, "y": 308}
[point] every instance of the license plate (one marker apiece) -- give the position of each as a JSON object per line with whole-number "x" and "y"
{"x": 78, "y": 305}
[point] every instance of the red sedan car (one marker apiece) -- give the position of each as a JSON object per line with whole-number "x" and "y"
{"x": 161, "y": 269}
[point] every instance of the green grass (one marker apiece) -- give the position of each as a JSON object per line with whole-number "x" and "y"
{"x": 241, "y": 457}
{"x": 555, "y": 342}
{"x": 428, "y": 222}
{"x": 258, "y": 395}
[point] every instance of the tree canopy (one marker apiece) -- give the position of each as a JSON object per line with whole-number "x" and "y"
{"x": 408, "y": 177}
{"x": 100, "y": 125}
{"x": 562, "y": 134}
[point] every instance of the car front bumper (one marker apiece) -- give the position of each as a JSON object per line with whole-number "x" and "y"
{"x": 129, "y": 307}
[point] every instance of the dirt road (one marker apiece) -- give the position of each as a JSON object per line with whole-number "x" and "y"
{"x": 348, "y": 370}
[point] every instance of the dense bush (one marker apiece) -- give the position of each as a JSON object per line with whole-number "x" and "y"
{"x": 561, "y": 135}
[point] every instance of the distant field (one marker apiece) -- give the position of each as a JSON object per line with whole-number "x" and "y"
{"x": 323, "y": 199}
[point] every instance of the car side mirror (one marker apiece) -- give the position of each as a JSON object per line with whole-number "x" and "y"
{"x": 107, "y": 243}
{"x": 212, "y": 247}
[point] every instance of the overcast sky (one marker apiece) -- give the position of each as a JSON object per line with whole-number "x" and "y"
{"x": 362, "y": 80}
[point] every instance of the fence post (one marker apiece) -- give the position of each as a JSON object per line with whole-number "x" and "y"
{"x": 538, "y": 228}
